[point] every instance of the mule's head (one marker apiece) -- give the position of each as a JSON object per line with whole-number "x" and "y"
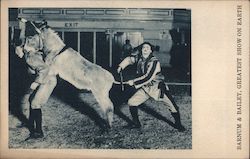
{"x": 30, "y": 28}
{"x": 39, "y": 36}
{"x": 30, "y": 39}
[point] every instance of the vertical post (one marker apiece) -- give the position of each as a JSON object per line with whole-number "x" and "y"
{"x": 94, "y": 47}
{"x": 183, "y": 37}
{"x": 110, "y": 49}
{"x": 12, "y": 34}
{"x": 63, "y": 35}
{"x": 78, "y": 41}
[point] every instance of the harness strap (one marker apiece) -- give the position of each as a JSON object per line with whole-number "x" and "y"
{"x": 51, "y": 56}
{"x": 63, "y": 49}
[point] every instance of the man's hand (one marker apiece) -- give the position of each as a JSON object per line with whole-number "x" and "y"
{"x": 19, "y": 51}
{"x": 34, "y": 85}
{"x": 119, "y": 69}
{"x": 130, "y": 82}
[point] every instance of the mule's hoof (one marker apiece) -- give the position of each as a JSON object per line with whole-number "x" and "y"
{"x": 180, "y": 128}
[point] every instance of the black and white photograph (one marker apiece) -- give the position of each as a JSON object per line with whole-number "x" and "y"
{"x": 124, "y": 79}
{"x": 100, "y": 78}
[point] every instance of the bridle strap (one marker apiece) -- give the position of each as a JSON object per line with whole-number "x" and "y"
{"x": 37, "y": 30}
{"x": 63, "y": 49}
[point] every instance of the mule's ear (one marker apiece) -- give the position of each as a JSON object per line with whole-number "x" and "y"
{"x": 43, "y": 24}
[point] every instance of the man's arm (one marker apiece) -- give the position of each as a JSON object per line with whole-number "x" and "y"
{"x": 42, "y": 69}
{"x": 127, "y": 61}
{"x": 153, "y": 69}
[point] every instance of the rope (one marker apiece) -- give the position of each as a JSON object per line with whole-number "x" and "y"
{"x": 118, "y": 82}
{"x": 171, "y": 83}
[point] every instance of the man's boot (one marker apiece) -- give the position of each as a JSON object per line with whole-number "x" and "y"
{"x": 135, "y": 118}
{"x": 176, "y": 115}
{"x": 177, "y": 119}
{"x": 38, "y": 121}
{"x": 31, "y": 126}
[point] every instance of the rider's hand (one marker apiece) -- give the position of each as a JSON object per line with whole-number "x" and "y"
{"x": 19, "y": 51}
{"x": 119, "y": 69}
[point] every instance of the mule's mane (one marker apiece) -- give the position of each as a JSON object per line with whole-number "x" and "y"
{"x": 52, "y": 42}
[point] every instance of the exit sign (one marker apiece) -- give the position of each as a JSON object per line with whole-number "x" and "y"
{"x": 71, "y": 25}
